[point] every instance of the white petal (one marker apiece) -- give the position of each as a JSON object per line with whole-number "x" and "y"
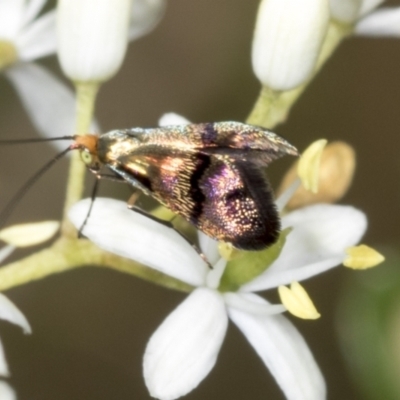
{"x": 5, "y": 252}
{"x": 11, "y": 18}
{"x": 115, "y": 228}
{"x": 214, "y": 276}
{"x": 7, "y": 392}
{"x": 184, "y": 349}
{"x": 38, "y": 39}
{"x": 32, "y": 9}
{"x": 145, "y": 16}
{"x": 383, "y": 22}
{"x": 246, "y": 304}
{"x": 209, "y": 247}
{"x": 172, "y": 119}
{"x": 92, "y": 37}
{"x": 346, "y": 11}
{"x": 29, "y": 234}
{"x": 50, "y": 104}
{"x": 279, "y": 277}
{"x": 284, "y": 352}
{"x": 4, "y": 371}
{"x": 9, "y": 312}
{"x": 285, "y": 197}
{"x": 287, "y": 40}
{"x": 368, "y": 5}
{"x": 320, "y": 235}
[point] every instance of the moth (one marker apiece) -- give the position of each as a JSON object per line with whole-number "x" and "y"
{"x": 212, "y": 174}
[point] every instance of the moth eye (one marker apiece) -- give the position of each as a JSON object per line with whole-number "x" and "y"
{"x": 86, "y": 157}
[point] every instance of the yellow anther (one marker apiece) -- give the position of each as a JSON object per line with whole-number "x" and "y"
{"x": 335, "y": 174}
{"x": 362, "y": 257}
{"x": 308, "y": 169}
{"x": 227, "y": 251}
{"x": 8, "y": 54}
{"x": 297, "y": 301}
{"x": 25, "y": 235}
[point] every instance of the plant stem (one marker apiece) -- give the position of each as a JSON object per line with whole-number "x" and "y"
{"x": 271, "y": 107}
{"x": 66, "y": 254}
{"x": 85, "y": 99}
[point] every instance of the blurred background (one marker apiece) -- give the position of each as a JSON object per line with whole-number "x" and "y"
{"x": 91, "y": 325}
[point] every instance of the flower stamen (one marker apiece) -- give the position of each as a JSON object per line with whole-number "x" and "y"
{"x": 308, "y": 169}
{"x": 362, "y": 257}
{"x": 8, "y": 54}
{"x": 297, "y": 301}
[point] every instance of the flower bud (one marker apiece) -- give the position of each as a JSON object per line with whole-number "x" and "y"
{"x": 345, "y": 11}
{"x": 335, "y": 175}
{"x": 287, "y": 40}
{"x": 92, "y": 37}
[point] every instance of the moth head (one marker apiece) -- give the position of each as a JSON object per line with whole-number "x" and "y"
{"x": 87, "y": 145}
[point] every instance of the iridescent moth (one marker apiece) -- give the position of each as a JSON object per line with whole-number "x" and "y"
{"x": 211, "y": 174}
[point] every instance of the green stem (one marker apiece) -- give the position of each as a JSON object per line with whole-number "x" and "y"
{"x": 272, "y": 108}
{"x": 85, "y": 99}
{"x": 66, "y": 254}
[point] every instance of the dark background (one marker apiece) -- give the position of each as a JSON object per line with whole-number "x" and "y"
{"x": 90, "y": 326}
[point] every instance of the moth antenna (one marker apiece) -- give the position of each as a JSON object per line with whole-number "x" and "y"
{"x": 10, "y": 206}
{"x": 34, "y": 140}
{"x": 92, "y": 199}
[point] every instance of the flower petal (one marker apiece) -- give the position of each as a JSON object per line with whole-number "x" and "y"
{"x": 38, "y": 39}
{"x": 244, "y": 303}
{"x": 172, "y": 119}
{"x": 50, "y": 104}
{"x": 383, "y": 22}
{"x": 5, "y": 252}
{"x": 9, "y": 312}
{"x": 115, "y": 228}
{"x": 321, "y": 234}
{"x": 4, "y": 371}
{"x": 7, "y": 392}
{"x": 209, "y": 247}
{"x": 145, "y": 16}
{"x": 283, "y": 351}
{"x": 184, "y": 348}
{"x": 32, "y": 9}
{"x": 29, "y": 234}
{"x": 11, "y": 13}
{"x": 367, "y": 6}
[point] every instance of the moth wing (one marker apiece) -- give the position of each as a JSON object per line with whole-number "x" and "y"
{"x": 239, "y": 206}
{"x": 230, "y": 201}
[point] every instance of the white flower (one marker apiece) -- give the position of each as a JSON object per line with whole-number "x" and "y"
{"x": 287, "y": 40}
{"x": 9, "y": 312}
{"x": 382, "y": 22}
{"x": 93, "y": 35}
{"x": 185, "y": 347}
{"x": 25, "y": 37}
{"x": 368, "y": 21}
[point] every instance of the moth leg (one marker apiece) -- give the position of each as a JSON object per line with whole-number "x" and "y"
{"x": 109, "y": 177}
{"x": 98, "y": 176}
{"x": 133, "y": 199}
{"x": 92, "y": 198}
{"x": 168, "y": 224}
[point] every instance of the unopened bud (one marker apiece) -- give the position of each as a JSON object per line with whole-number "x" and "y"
{"x": 287, "y": 40}
{"x": 334, "y": 178}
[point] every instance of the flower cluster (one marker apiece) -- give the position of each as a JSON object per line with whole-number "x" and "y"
{"x": 292, "y": 40}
